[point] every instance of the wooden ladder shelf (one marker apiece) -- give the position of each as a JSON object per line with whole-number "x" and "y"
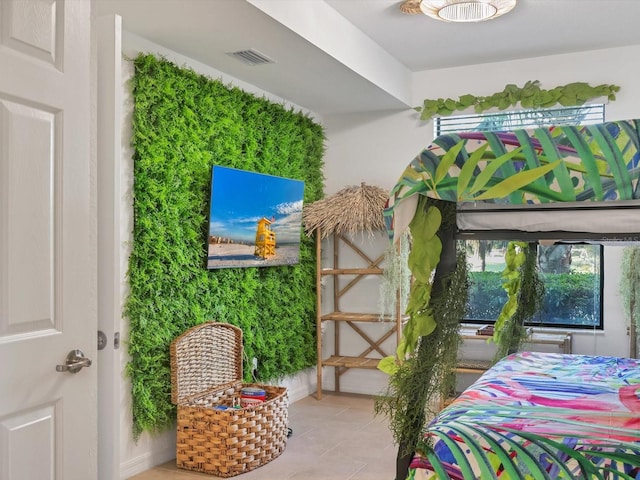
{"x": 369, "y": 357}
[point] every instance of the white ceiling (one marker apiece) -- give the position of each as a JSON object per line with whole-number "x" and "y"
{"x": 341, "y": 56}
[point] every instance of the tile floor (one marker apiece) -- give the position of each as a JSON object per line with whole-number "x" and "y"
{"x": 336, "y": 438}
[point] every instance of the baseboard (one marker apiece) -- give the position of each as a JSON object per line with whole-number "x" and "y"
{"x": 144, "y": 462}
{"x": 301, "y": 385}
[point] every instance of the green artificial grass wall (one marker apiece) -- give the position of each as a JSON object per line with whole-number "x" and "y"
{"x": 183, "y": 124}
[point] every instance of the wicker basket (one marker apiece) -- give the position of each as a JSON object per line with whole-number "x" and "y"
{"x": 206, "y": 372}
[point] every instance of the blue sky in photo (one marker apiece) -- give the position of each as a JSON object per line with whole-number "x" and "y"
{"x": 239, "y": 199}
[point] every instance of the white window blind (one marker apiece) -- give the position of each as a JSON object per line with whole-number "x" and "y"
{"x": 519, "y": 119}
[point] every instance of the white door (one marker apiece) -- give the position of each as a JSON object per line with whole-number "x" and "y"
{"x": 47, "y": 237}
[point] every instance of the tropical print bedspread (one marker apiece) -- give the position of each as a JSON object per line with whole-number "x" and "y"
{"x": 540, "y": 416}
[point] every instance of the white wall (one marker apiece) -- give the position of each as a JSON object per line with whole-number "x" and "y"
{"x": 613, "y": 340}
{"x": 607, "y": 66}
{"x": 375, "y": 148}
{"x": 371, "y": 147}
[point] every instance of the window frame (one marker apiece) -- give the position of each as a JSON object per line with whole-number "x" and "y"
{"x": 559, "y": 326}
{"x": 583, "y": 115}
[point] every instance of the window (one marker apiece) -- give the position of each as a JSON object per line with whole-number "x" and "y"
{"x": 511, "y": 120}
{"x": 572, "y": 275}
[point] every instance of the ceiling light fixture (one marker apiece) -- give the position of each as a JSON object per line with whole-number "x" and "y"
{"x": 466, "y": 10}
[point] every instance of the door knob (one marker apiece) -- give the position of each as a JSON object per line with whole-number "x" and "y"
{"x": 75, "y": 361}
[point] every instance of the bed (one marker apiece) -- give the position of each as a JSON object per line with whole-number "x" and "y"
{"x": 540, "y": 416}
{"x": 533, "y": 416}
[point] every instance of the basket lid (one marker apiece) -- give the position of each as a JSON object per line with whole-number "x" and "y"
{"x": 204, "y": 357}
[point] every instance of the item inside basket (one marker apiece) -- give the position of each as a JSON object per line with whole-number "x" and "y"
{"x": 235, "y": 397}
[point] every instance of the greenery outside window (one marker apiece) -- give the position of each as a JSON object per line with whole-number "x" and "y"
{"x": 572, "y": 275}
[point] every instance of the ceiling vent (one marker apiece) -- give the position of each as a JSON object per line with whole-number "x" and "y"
{"x": 251, "y": 57}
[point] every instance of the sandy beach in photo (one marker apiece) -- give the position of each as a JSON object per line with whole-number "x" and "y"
{"x": 237, "y": 255}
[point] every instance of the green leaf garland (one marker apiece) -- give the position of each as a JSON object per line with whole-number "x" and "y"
{"x": 525, "y": 292}
{"x": 528, "y": 96}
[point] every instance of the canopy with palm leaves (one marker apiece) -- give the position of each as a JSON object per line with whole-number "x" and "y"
{"x": 591, "y": 163}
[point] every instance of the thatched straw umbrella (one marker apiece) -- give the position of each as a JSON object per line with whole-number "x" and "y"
{"x": 353, "y": 209}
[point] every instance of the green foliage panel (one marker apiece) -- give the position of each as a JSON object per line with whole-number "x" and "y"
{"x": 183, "y": 124}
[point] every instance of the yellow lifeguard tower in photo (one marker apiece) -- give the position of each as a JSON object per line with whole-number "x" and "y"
{"x": 265, "y": 239}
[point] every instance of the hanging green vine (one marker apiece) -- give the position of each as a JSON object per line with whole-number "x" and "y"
{"x": 525, "y": 292}
{"x": 528, "y": 96}
{"x": 433, "y": 357}
{"x": 422, "y": 261}
{"x": 396, "y": 280}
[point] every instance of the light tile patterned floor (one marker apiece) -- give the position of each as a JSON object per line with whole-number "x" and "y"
{"x": 336, "y": 438}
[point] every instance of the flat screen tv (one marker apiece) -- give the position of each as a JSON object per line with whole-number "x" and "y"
{"x": 255, "y": 220}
